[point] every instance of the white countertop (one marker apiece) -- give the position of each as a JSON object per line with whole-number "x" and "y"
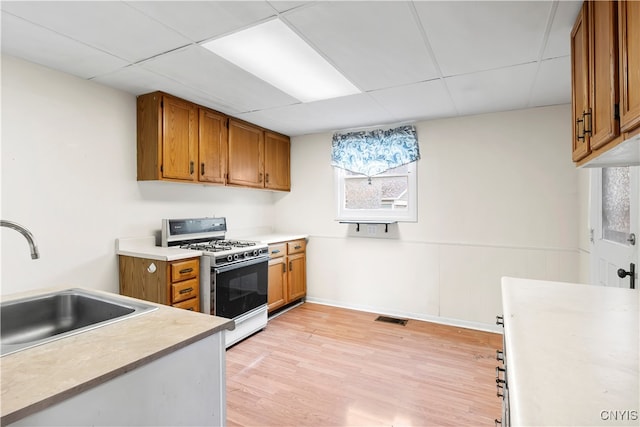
{"x": 572, "y": 353}
{"x": 145, "y": 247}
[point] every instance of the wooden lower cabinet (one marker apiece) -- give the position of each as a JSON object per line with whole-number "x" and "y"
{"x": 175, "y": 283}
{"x": 287, "y": 273}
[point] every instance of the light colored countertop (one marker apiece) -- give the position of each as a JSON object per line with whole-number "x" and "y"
{"x": 41, "y": 376}
{"x": 145, "y": 247}
{"x": 572, "y": 353}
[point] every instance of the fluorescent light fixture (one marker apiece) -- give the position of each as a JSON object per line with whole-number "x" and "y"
{"x": 276, "y": 54}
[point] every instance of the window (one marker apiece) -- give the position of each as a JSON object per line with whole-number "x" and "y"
{"x": 376, "y": 175}
{"x": 389, "y": 196}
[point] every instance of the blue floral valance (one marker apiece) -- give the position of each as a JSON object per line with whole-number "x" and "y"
{"x": 376, "y": 151}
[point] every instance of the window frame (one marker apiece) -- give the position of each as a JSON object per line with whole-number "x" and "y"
{"x": 371, "y": 215}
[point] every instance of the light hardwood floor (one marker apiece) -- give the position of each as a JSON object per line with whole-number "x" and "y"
{"x": 324, "y": 366}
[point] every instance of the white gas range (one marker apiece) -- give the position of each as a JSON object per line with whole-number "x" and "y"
{"x": 233, "y": 273}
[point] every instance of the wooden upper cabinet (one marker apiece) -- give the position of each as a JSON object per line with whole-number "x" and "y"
{"x": 601, "y": 121}
{"x": 182, "y": 141}
{"x": 167, "y": 138}
{"x": 212, "y": 147}
{"x": 245, "y": 154}
{"x": 629, "y": 39}
{"x": 580, "y": 83}
{"x": 277, "y": 166}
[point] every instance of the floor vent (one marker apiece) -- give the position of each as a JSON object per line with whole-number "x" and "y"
{"x": 392, "y": 320}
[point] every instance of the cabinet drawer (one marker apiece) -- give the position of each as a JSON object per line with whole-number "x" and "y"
{"x": 183, "y": 270}
{"x": 277, "y": 250}
{"x": 296, "y": 246}
{"x": 192, "y": 304}
{"x": 184, "y": 290}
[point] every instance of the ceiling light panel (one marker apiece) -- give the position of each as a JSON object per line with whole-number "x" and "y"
{"x": 274, "y": 53}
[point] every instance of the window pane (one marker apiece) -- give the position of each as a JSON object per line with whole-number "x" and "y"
{"x": 378, "y": 193}
{"x": 616, "y": 201}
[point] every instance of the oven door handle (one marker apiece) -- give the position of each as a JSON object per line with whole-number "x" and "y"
{"x": 240, "y": 264}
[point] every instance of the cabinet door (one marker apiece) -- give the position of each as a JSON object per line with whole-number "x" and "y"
{"x": 144, "y": 279}
{"x": 601, "y": 120}
{"x": 277, "y": 162}
{"x": 580, "y": 83}
{"x": 245, "y": 151}
{"x": 277, "y": 291}
{"x": 212, "y": 147}
{"x": 629, "y": 33}
{"x": 179, "y": 139}
{"x": 297, "y": 276}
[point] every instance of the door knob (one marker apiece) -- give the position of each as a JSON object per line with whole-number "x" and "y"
{"x": 622, "y": 273}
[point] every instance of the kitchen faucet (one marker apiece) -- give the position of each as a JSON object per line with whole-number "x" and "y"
{"x": 27, "y": 235}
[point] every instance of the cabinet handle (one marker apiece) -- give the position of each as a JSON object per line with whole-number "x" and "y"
{"x": 585, "y": 115}
{"x": 185, "y": 291}
{"x": 497, "y": 421}
{"x": 267, "y": 178}
{"x": 284, "y": 267}
{"x": 498, "y": 379}
{"x": 578, "y": 135}
{"x": 186, "y": 270}
{"x": 275, "y": 251}
{"x": 191, "y": 167}
{"x": 201, "y": 168}
{"x": 260, "y": 177}
{"x": 297, "y": 247}
{"x": 499, "y": 320}
{"x": 499, "y": 389}
{"x": 290, "y": 265}
{"x": 500, "y": 356}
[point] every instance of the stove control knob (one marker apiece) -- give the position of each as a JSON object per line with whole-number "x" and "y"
{"x": 256, "y": 252}
{"x": 246, "y": 254}
{"x": 236, "y": 257}
{"x": 230, "y": 258}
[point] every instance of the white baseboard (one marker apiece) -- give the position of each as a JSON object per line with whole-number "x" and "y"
{"x": 423, "y": 317}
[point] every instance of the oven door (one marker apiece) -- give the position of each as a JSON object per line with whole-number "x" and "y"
{"x": 240, "y": 287}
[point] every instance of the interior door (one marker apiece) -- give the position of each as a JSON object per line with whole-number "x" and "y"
{"x": 614, "y": 224}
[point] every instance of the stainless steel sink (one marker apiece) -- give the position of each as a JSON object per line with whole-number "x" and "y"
{"x": 32, "y": 321}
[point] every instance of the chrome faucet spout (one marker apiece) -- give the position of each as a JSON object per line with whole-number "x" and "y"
{"x": 35, "y": 254}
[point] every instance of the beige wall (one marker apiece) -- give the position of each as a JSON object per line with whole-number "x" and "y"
{"x": 498, "y": 196}
{"x": 69, "y": 175}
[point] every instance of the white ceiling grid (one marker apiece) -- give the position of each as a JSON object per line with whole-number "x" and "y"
{"x": 413, "y": 60}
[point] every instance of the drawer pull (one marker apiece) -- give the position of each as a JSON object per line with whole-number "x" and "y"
{"x": 186, "y": 270}
{"x": 185, "y": 291}
{"x": 297, "y": 247}
{"x": 500, "y": 320}
{"x": 275, "y": 251}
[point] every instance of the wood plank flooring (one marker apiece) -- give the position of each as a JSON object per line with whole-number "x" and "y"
{"x": 317, "y": 365}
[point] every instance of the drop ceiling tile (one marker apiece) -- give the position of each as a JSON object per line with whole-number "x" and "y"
{"x": 503, "y": 89}
{"x": 425, "y": 100}
{"x": 37, "y": 44}
{"x": 552, "y": 83}
{"x": 323, "y": 116}
{"x": 475, "y": 36}
{"x": 374, "y": 44}
{"x": 137, "y": 80}
{"x": 283, "y": 6}
{"x": 114, "y": 27}
{"x": 199, "y": 69}
{"x": 203, "y": 20}
{"x": 559, "y": 43}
